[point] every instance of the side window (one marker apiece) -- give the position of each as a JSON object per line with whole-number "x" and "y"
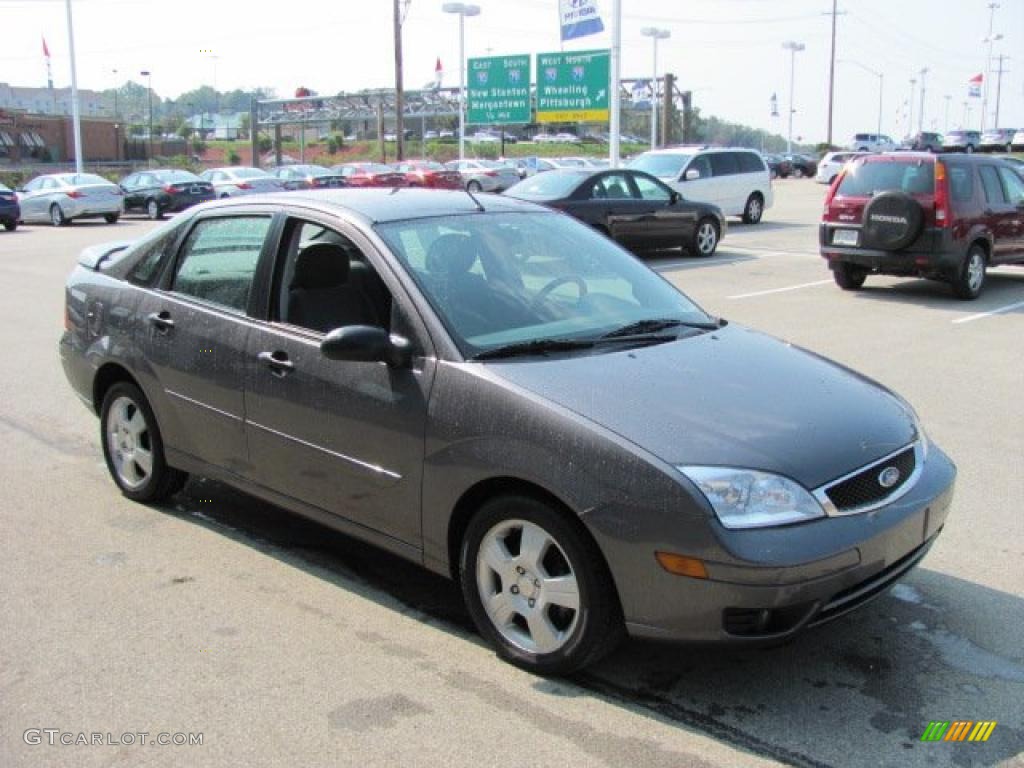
{"x": 702, "y": 165}
{"x": 990, "y": 183}
{"x": 152, "y": 256}
{"x": 724, "y": 164}
{"x": 219, "y": 258}
{"x": 325, "y": 282}
{"x": 961, "y": 183}
{"x": 651, "y": 190}
{"x": 33, "y": 185}
{"x": 613, "y": 186}
{"x": 749, "y": 162}
{"x": 129, "y": 181}
{"x": 1014, "y": 186}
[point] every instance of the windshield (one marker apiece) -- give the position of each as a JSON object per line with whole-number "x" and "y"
{"x": 507, "y": 278}
{"x": 177, "y": 176}
{"x": 312, "y": 170}
{"x": 77, "y": 179}
{"x": 546, "y": 186}
{"x": 867, "y": 179}
{"x": 247, "y": 173}
{"x": 663, "y": 166}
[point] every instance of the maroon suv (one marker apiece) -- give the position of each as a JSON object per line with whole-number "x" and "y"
{"x": 942, "y": 217}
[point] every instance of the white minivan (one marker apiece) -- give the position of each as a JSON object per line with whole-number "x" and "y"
{"x": 871, "y": 142}
{"x": 735, "y": 179}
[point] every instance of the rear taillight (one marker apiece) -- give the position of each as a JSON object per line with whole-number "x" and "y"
{"x": 941, "y": 195}
{"x": 169, "y": 188}
{"x": 244, "y": 185}
{"x": 490, "y": 173}
{"x": 833, "y": 189}
{"x": 73, "y": 193}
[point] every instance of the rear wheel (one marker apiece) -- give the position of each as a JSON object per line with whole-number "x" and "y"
{"x": 849, "y": 277}
{"x": 57, "y": 217}
{"x": 754, "y": 209}
{"x": 798, "y": 173}
{"x": 969, "y": 149}
{"x": 537, "y": 587}
{"x": 153, "y": 211}
{"x": 705, "y": 238}
{"x": 111, "y": 218}
{"x": 133, "y": 448}
{"x": 969, "y": 281}
{"x": 474, "y": 186}
{"x": 10, "y": 226}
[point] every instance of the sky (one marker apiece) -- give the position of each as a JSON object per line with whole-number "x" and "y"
{"x": 728, "y": 52}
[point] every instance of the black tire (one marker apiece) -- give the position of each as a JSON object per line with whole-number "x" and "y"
{"x": 969, "y": 149}
{"x": 1009, "y": 147}
{"x": 10, "y": 226}
{"x": 153, "y": 211}
{"x": 161, "y": 481}
{"x": 57, "y": 217}
{"x": 754, "y": 209}
{"x": 798, "y": 173}
{"x": 474, "y": 186}
{"x": 863, "y": 149}
{"x": 225, "y": 196}
{"x": 849, "y": 277}
{"x": 705, "y": 238}
{"x": 597, "y": 626}
{"x": 970, "y": 278}
{"x": 111, "y": 218}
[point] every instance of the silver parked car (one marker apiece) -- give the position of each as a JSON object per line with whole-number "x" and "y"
{"x": 485, "y": 175}
{"x": 241, "y": 180}
{"x": 60, "y": 198}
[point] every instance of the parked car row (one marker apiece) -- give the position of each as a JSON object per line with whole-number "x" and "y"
{"x": 994, "y": 140}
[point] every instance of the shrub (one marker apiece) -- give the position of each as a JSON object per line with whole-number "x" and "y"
{"x": 233, "y": 158}
{"x": 198, "y": 146}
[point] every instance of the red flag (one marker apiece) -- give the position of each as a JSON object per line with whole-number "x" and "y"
{"x": 438, "y": 73}
{"x": 437, "y": 67}
{"x": 46, "y": 51}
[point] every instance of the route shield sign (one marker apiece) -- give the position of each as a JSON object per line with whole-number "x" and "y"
{"x": 572, "y": 87}
{"x": 499, "y": 90}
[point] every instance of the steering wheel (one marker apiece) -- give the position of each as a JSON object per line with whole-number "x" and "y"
{"x": 542, "y": 296}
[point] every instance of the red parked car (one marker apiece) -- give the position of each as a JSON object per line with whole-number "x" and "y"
{"x": 429, "y": 173}
{"x": 943, "y": 217}
{"x": 370, "y": 175}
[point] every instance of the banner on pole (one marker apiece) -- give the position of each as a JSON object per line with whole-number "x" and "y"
{"x": 974, "y": 86}
{"x": 579, "y": 18}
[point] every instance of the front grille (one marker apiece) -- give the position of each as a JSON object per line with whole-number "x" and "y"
{"x": 866, "y": 488}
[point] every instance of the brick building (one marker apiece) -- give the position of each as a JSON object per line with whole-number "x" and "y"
{"x": 26, "y": 137}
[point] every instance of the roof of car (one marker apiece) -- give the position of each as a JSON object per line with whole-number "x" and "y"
{"x": 691, "y": 148}
{"x": 398, "y": 203}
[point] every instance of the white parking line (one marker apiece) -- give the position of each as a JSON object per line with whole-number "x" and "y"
{"x": 980, "y": 315}
{"x": 779, "y": 290}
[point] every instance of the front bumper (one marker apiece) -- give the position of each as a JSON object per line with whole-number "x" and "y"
{"x": 782, "y": 580}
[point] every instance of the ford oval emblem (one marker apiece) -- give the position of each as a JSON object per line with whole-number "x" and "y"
{"x": 888, "y": 477}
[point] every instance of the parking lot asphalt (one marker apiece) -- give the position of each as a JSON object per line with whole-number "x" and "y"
{"x": 286, "y": 644}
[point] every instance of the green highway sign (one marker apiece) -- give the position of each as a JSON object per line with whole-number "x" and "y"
{"x": 572, "y": 86}
{"x": 499, "y": 90}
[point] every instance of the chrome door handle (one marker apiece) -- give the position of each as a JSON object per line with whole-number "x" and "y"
{"x": 278, "y": 362}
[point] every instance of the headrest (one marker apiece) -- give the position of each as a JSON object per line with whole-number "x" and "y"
{"x": 451, "y": 255}
{"x": 321, "y": 265}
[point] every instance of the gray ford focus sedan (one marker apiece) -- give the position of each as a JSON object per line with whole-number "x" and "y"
{"x": 499, "y": 393}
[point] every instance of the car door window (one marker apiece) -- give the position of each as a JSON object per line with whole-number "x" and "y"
{"x": 650, "y": 189}
{"x": 724, "y": 164}
{"x": 702, "y": 165}
{"x": 613, "y": 186}
{"x": 129, "y": 182}
{"x": 749, "y": 162}
{"x": 325, "y": 282}
{"x": 961, "y": 183}
{"x": 219, "y": 259}
{"x": 1014, "y": 186}
{"x": 153, "y": 255}
{"x": 993, "y": 188}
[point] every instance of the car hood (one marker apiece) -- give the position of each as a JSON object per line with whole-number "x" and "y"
{"x": 732, "y": 397}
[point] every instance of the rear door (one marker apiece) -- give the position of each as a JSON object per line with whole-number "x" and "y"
{"x": 728, "y": 182}
{"x": 1001, "y": 216}
{"x": 1013, "y": 186}
{"x": 194, "y": 331}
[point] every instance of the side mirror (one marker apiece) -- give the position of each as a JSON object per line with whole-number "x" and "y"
{"x": 365, "y": 344}
{"x": 692, "y": 174}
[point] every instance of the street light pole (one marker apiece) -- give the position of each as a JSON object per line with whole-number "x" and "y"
{"x": 988, "y": 61}
{"x": 920, "y": 115}
{"x": 793, "y": 47}
{"x": 463, "y": 10}
{"x": 75, "y": 116}
{"x": 910, "y": 106}
{"x": 149, "y": 76}
{"x": 655, "y": 34}
{"x": 948, "y": 98}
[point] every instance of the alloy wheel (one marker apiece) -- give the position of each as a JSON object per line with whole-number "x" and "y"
{"x": 707, "y": 238}
{"x": 129, "y": 442}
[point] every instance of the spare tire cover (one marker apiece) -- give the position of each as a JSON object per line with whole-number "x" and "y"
{"x": 892, "y": 220}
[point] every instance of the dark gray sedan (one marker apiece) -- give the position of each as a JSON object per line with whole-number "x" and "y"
{"x": 500, "y": 393}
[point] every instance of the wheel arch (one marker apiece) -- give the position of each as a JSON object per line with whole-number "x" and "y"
{"x": 107, "y": 376}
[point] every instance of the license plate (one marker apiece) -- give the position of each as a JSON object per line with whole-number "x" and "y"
{"x": 844, "y": 237}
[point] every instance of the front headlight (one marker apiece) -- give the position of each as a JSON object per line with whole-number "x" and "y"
{"x": 746, "y": 498}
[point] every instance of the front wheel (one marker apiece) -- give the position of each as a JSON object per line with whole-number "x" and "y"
{"x": 754, "y": 209}
{"x": 969, "y": 280}
{"x": 849, "y": 277}
{"x": 474, "y": 186}
{"x": 153, "y": 212}
{"x": 57, "y": 217}
{"x": 133, "y": 448}
{"x": 969, "y": 149}
{"x": 111, "y": 218}
{"x": 798, "y": 173}
{"x": 10, "y": 226}
{"x": 705, "y": 238}
{"x": 537, "y": 587}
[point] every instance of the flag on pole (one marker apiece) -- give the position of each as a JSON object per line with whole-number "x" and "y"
{"x": 974, "y": 86}
{"x": 579, "y": 18}
{"x": 49, "y": 71}
{"x": 438, "y": 73}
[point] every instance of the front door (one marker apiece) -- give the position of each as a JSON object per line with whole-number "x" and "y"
{"x": 193, "y": 336}
{"x": 346, "y": 437}
{"x": 1013, "y": 184}
{"x": 1001, "y": 216}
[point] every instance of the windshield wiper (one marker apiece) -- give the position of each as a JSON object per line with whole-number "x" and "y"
{"x": 535, "y": 347}
{"x": 653, "y": 325}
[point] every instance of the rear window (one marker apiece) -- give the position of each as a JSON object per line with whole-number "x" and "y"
{"x": 724, "y": 163}
{"x": 867, "y": 179}
{"x": 749, "y": 162}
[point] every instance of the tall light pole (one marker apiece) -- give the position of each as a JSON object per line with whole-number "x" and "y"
{"x": 793, "y": 47}
{"x": 149, "y": 75}
{"x": 881, "y": 78}
{"x": 920, "y": 115}
{"x": 999, "y": 84}
{"x": 115, "y": 92}
{"x": 463, "y": 10}
{"x": 75, "y": 116}
{"x": 910, "y": 106}
{"x": 655, "y": 34}
{"x": 615, "y": 97}
{"x": 988, "y": 61}
{"x": 948, "y": 97}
